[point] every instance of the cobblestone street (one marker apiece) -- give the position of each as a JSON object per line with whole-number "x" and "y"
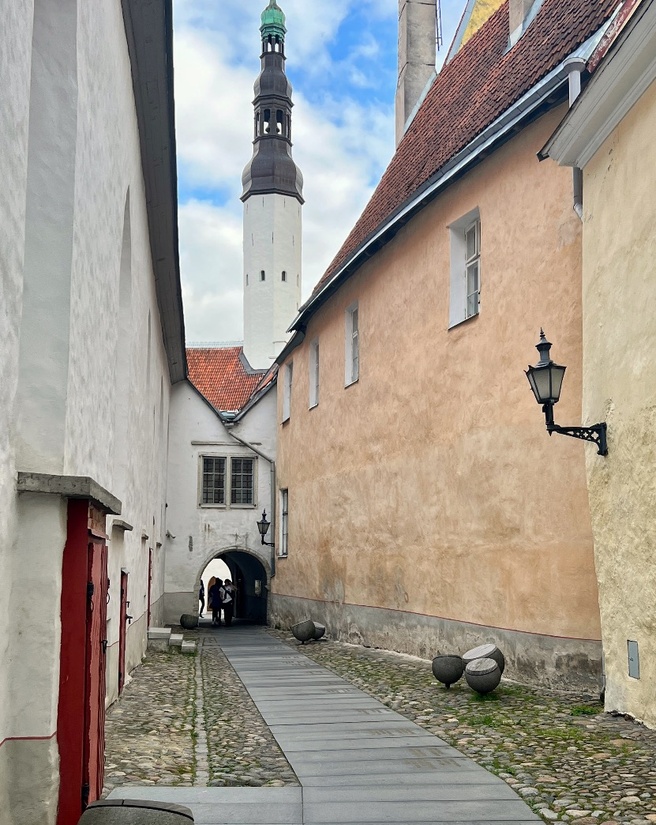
{"x": 188, "y": 720}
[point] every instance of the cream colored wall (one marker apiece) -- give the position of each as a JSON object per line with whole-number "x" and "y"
{"x": 619, "y": 292}
{"x": 434, "y": 488}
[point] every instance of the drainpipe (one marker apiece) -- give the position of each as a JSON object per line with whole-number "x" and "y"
{"x": 272, "y": 464}
{"x": 574, "y": 67}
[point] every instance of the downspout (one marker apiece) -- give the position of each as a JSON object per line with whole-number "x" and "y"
{"x": 272, "y": 464}
{"x": 574, "y": 67}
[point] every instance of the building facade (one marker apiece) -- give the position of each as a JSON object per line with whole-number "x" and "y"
{"x": 221, "y": 473}
{"x": 92, "y": 342}
{"x": 609, "y": 135}
{"x": 422, "y": 519}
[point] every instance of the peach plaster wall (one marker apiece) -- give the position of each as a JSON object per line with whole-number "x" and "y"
{"x": 430, "y": 490}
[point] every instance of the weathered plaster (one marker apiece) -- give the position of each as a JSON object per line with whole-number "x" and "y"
{"x": 14, "y": 102}
{"x": 619, "y": 377}
{"x": 434, "y": 487}
{"x": 27, "y": 764}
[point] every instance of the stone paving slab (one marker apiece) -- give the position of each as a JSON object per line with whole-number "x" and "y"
{"x": 406, "y": 811}
{"x": 228, "y": 806}
{"x": 293, "y": 715}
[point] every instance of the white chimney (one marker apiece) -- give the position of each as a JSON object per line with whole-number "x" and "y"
{"x": 417, "y": 46}
{"x": 520, "y": 14}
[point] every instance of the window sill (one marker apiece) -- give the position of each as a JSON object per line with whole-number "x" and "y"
{"x": 351, "y": 383}
{"x": 464, "y": 321}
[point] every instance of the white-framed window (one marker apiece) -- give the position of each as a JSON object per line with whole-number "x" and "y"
{"x": 352, "y": 349}
{"x": 287, "y": 391}
{"x": 314, "y": 373}
{"x": 465, "y": 281}
{"x": 284, "y": 523}
{"x": 226, "y": 479}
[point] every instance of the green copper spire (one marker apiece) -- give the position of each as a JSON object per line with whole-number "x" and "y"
{"x": 273, "y": 21}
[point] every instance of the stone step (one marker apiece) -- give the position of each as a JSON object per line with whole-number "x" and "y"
{"x": 176, "y": 639}
{"x": 159, "y": 638}
{"x": 188, "y": 646}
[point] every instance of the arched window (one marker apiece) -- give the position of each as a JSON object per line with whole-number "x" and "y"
{"x": 279, "y": 121}
{"x": 262, "y": 275}
{"x": 284, "y": 275}
{"x": 267, "y": 119}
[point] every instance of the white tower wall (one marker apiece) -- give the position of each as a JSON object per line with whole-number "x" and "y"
{"x": 273, "y": 245}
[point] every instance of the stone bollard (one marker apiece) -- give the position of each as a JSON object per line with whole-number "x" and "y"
{"x": 303, "y": 631}
{"x": 135, "y": 812}
{"x": 319, "y": 630}
{"x": 448, "y": 669}
{"x": 488, "y": 651}
{"x": 483, "y": 675}
{"x": 188, "y": 621}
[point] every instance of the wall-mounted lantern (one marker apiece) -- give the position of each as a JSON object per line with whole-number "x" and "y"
{"x": 546, "y": 380}
{"x": 263, "y": 527}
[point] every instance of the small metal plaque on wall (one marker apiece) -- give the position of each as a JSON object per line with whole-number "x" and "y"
{"x": 634, "y": 659}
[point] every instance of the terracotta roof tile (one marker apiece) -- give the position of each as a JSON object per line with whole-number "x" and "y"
{"x": 481, "y": 81}
{"x": 219, "y": 374}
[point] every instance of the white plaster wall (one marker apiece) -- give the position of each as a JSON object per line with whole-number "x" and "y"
{"x": 273, "y": 243}
{"x": 619, "y": 292}
{"x": 201, "y": 533}
{"x": 62, "y": 236}
{"x": 14, "y": 103}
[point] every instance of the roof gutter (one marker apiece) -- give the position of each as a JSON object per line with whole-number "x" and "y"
{"x": 498, "y": 131}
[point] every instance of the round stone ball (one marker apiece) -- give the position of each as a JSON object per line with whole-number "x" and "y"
{"x": 483, "y": 675}
{"x": 188, "y": 621}
{"x": 303, "y": 631}
{"x": 448, "y": 669}
{"x": 487, "y": 651}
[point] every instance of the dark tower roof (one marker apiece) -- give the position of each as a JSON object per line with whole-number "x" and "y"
{"x": 272, "y": 168}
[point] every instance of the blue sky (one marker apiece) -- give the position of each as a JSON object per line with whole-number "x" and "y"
{"x": 342, "y": 62}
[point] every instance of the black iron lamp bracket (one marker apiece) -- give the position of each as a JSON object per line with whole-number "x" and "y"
{"x": 268, "y": 543}
{"x": 595, "y": 433}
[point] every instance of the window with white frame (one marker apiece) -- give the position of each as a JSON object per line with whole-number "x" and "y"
{"x": 284, "y": 522}
{"x": 287, "y": 391}
{"x": 314, "y": 373}
{"x": 465, "y": 281}
{"x": 226, "y": 479}
{"x": 352, "y": 353}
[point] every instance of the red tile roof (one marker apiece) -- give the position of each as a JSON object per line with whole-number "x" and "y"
{"x": 219, "y": 374}
{"x": 481, "y": 82}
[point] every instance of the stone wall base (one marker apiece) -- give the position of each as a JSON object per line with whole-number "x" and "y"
{"x": 29, "y": 781}
{"x": 531, "y": 659}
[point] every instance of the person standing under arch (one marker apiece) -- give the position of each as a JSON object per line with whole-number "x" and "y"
{"x": 214, "y": 596}
{"x": 228, "y": 592}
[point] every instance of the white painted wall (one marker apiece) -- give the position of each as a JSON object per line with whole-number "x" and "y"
{"x": 14, "y": 103}
{"x": 201, "y": 533}
{"x": 273, "y": 243}
{"x": 84, "y": 385}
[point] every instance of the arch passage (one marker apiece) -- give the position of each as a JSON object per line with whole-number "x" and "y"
{"x": 250, "y": 578}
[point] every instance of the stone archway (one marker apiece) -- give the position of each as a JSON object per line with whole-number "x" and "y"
{"x": 250, "y": 574}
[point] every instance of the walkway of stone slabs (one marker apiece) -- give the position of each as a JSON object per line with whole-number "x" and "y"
{"x": 357, "y": 761}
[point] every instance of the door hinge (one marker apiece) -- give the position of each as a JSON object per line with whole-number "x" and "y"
{"x": 90, "y": 590}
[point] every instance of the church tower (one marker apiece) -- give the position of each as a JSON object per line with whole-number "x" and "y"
{"x": 273, "y": 198}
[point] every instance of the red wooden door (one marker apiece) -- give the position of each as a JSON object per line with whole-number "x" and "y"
{"x": 81, "y": 711}
{"x": 94, "y": 739}
{"x": 122, "y": 630}
{"x": 150, "y": 579}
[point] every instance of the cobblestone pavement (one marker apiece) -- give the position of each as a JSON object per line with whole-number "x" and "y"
{"x": 188, "y": 720}
{"x": 562, "y": 754}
